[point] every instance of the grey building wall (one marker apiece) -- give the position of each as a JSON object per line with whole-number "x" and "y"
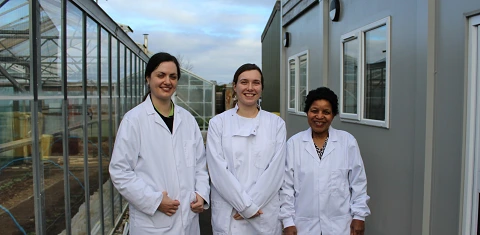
{"x": 306, "y": 34}
{"x": 388, "y": 154}
{"x": 427, "y": 83}
{"x": 271, "y": 62}
{"x": 451, "y": 38}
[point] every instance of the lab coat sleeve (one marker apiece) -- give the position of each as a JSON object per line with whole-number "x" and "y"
{"x": 202, "y": 184}
{"x": 287, "y": 192}
{"x": 358, "y": 183}
{"x": 122, "y": 170}
{"x": 270, "y": 181}
{"x": 224, "y": 181}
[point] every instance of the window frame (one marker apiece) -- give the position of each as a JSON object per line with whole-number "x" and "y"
{"x": 359, "y": 34}
{"x": 296, "y": 58}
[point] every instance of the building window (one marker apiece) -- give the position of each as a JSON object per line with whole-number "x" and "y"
{"x": 297, "y": 82}
{"x": 365, "y": 74}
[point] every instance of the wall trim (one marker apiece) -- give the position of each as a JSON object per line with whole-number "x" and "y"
{"x": 429, "y": 117}
{"x": 298, "y": 8}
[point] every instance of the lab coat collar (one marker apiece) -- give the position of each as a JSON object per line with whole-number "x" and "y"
{"x": 310, "y": 147}
{"x": 248, "y": 129}
{"x": 177, "y": 118}
{"x": 151, "y": 111}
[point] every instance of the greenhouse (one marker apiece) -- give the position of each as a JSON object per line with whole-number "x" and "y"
{"x": 68, "y": 73}
{"x": 197, "y": 95}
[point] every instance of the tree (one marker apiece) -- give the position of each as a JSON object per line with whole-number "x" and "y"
{"x": 184, "y": 63}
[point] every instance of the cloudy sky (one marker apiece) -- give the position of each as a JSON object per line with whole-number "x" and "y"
{"x": 214, "y": 36}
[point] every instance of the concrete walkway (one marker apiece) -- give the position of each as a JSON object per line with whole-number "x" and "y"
{"x": 205, "y": 224}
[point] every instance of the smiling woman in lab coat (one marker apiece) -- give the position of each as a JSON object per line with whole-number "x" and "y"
{"x": 325, "y": 188}
{"x": 246, "y": 160}
{"x": 158, "y": 163}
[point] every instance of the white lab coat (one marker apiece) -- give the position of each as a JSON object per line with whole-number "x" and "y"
{"x": 246, "y": 165}
{"x": 323, "y": 196}
{"x": 147, "y": 160}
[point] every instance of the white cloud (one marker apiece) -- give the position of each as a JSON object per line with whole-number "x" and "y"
{"x": 215, "y": 36}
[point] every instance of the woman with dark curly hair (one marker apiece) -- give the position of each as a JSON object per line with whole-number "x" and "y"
{"x": 325, "y": 186}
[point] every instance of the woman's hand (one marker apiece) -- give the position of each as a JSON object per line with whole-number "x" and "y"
{"x": 197, "y": 205}
{"x": 237, "y": 216}
{"x": 357, "y": 227}
{"x": 292, "y": 230}
{"x": 168, "y": 206}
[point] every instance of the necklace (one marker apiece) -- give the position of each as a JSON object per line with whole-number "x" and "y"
{"x": 320, "y": 151}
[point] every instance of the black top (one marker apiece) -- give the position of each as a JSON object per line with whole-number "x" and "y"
{"x": 168, "y": 120}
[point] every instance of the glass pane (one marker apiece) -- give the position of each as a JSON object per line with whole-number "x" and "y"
{"x": 76, "y": 129}
{"x": 140, "y": 81}
{"x": 375, "y": 72}
{"x": 50, "y": 30}
{"x": 302, "y": 89}
{"x": 92, "y": 57}
{"x": 208, "y": 93}
{"x": 115, "y": 89}
{"x": 122, "y": 84}
{"x": 51, "y": 144}
{"x": 143, "y": 79}
{"x": 181, "y": 94}
{"x": 16, "y": 174}
{"x": 74, "y": 50}
{"x": 196, "y": 93}
{"x": 350, "y": 75}
{"x": 291, "y": 94}
{"x": 114, "y": 120}
{"x": 128, "y": 76}
{"x": 14, "y": 47}
{"x": 105, "y": 70}
{"x": 194, "y": 81}
{"x": 135, "y": 80}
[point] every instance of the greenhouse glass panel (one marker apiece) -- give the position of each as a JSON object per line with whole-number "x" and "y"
{"x": 104, "y": 66}
{"x": 50, "y": 30}
{"x": 92, "y": 57}
{"x": 74, "y": 50}
{"x": 15, "y": 48}
{"x": 195, "y": 94}
{"x": 16, "y": 171}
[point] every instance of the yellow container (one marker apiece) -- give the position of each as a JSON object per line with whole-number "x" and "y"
{"x": 46, "y": 143}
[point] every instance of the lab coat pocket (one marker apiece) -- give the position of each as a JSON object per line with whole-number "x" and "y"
{"x": 338, "y": 183}
{"x": 341, "y": 224}
{"x": 264, "y": 153}
{"x": 221, "y": 212}
{"x": 191, "y": 214}
{"x": 189, "y": 152}
{"x": 307, "y": 225}
{"x": 161, "y": 220}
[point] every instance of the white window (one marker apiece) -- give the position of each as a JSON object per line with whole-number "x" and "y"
{"x": 365, "y": 73}
{"x": 297, "y": 82}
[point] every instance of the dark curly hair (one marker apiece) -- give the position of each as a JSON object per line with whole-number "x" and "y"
{"x": 322, "y": 93}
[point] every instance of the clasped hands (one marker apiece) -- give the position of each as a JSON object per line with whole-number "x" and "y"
{"x": 169, "y": 206}
{"x": 237, "y": 215}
